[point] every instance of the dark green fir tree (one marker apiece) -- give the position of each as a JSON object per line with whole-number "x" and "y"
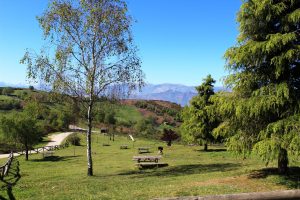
{"x": 198, "y": 118}
{"x": 262, "y": 114}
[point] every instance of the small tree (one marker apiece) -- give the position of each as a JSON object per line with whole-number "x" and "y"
{"x": 111, "y": 121}
{"x": 31, "y": 88}
{"x": 21, "y": 129}
{"x": 169, "y": 135}
{"x": 199, "y": 118}
{"x": 92, "y": 50}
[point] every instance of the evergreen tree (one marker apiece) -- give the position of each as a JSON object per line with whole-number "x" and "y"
{"x": 262, "y": 113}
{"x": 198, "y": 118}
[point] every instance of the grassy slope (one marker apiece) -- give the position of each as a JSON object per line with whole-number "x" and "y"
{"x": 191, "y": 172}
{"x": 128, "y": 113}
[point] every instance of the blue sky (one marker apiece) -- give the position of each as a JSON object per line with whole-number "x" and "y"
{"x": 180, "y": 41}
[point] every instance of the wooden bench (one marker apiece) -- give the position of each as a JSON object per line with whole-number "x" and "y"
{"x": 47, "y": 154}
{"x": 146, "y": 158}
{"x": 149, "y": 165}
{"x": 143, "y": 150}
{"x": 124, "y": 146}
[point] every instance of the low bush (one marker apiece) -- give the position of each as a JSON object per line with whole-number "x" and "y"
{"x": 73, "y": 139}
{"x": 10, "y": 104}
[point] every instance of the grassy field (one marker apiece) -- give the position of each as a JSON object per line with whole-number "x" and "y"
{"x": 128, "y": 114}
{"x": 190, "y": 172}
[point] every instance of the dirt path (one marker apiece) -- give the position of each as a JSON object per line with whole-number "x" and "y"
{"x": 56, "y": 139}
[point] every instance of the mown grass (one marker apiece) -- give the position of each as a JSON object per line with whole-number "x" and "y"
{"x": 190, "y": 172}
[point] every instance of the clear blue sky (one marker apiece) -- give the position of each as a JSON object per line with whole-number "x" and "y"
{"x": 180, "y": 41}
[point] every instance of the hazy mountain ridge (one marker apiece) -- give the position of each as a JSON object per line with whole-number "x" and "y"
{"x": 176, "y": 93}
{"x": 180, "y": 94}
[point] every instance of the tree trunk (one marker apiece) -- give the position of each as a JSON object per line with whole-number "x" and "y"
{"x": 169, "y": 143}
{"x": 88, "y": 141}
{"x": 205, "y": 147}
{"x": 26, "y": 152}
{"x": 283, "y": 161}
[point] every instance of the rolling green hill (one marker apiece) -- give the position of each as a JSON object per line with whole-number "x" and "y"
{"x": 138, "y": 117}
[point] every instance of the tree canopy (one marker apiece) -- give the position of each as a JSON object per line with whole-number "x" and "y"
{"x": 22, "y": 129}
{"x": 199, "y": 118}
{"x": 90, "y": 50}
{"x": 262, "y": 113}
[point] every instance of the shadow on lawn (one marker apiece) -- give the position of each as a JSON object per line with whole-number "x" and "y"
{"x": 211, "y": 150}
{"x": 291, "y": 180}
{"x": 184, "y": 170}
{"x": 10, "y": 180}
{"x": 54, "y": 158}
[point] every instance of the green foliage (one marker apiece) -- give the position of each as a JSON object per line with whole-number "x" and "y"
{"x": 261, "y": 114}
{"x": 169, "y": 135}
{"x": 93, "y": 50}
{"x": 73, "y": 139}
{"x": 10, "y": 104}
{"x": 7, "y": 91}
{"x": 145, "y": 127}
{"x": 20, "y": 128}
{"x": 110, "y": 118}
{"x": 50, "y": 119}
{"x": 199, "y": 118}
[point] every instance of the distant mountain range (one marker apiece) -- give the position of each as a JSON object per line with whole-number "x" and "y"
{"x": 180, "y": 94}
{"x": 19, "y": 85}
{"x": 176, "y": 93}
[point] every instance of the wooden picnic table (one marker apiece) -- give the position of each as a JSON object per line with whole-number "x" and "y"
{"x": 47, "y": 154}
{"x": 146, "y": 158}
{"x": 144, "y": 150}
{"x": 144, "y": 162}
{"x": 124, "y": 146}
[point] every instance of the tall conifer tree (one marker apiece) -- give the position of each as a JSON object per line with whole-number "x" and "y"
{"x": 262, "y": 113}
{"x": 198, "y": 118}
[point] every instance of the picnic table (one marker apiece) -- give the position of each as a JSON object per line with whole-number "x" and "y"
{"x": 147, "y": 158}
{"x": 144, "y": 150}
{"x": 124, "y": 146}
{"x": 148, "y": 161}
{"x": 48, "y": 153}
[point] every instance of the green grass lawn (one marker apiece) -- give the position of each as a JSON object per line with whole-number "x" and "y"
{"x": 190, "y": 172}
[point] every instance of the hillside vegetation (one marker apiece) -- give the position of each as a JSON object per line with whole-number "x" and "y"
{"x": 54, "y": 113}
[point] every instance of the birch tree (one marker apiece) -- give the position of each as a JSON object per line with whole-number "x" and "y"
{"x": 89, "y": 48}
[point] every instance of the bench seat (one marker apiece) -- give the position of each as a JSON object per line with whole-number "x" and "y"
{"x": 149, "y": 165}
{"x": 146, "y": 158}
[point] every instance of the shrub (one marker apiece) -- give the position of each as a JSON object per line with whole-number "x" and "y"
{"x": 7, "y": 91}
{"x": 73, "y": 139}
{"x": 9, "y": 104}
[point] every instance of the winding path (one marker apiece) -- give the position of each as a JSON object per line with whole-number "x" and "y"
{"x": 56, "y": 139}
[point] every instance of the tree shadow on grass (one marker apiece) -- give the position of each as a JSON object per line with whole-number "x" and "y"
{"x": 211, "y": 150}
{"x": 54, "y": 158}
{"x": 291, "y": 179}
{"x": 184, "y": 170}
{"x": 10, "y": 180}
